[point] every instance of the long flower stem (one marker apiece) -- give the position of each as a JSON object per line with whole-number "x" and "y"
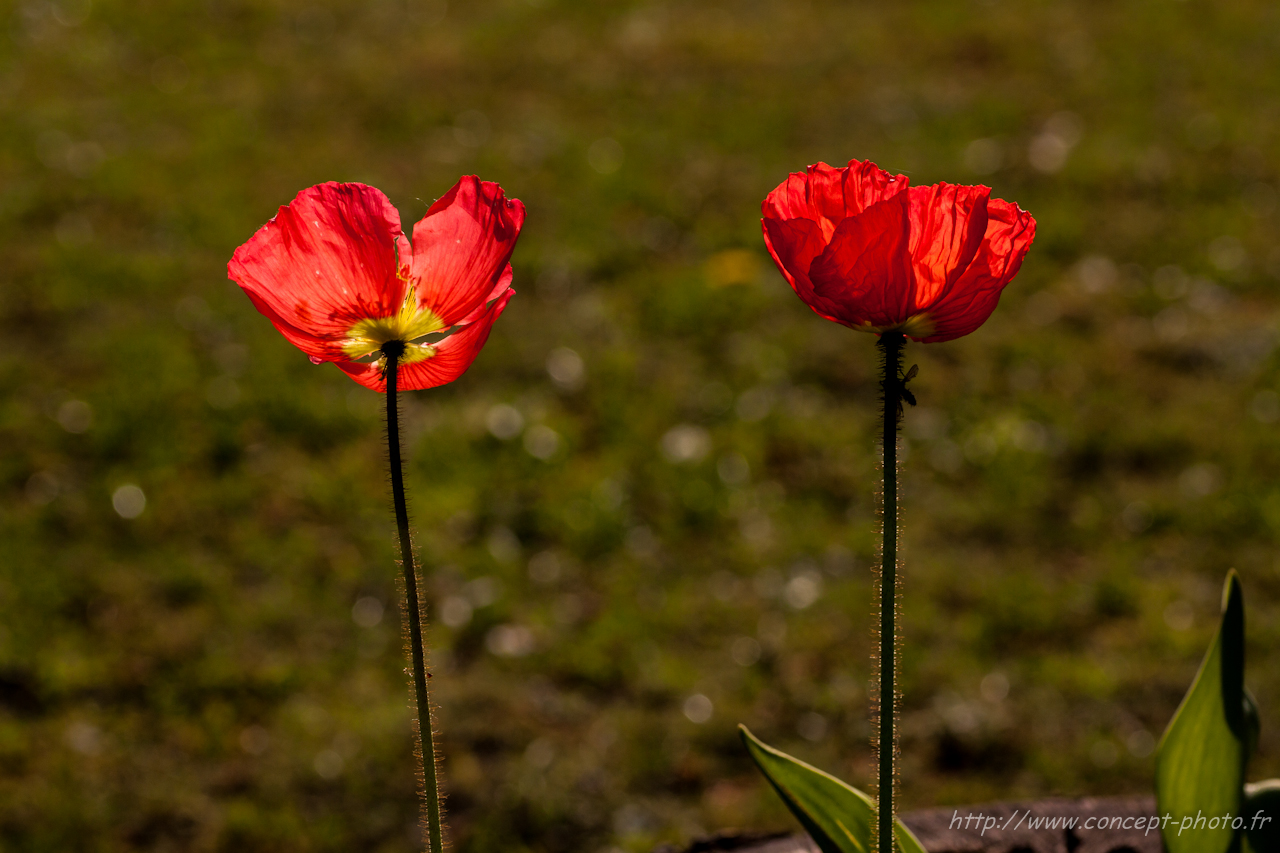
{"x": 891, "y": 344}
{"x": 425, "y": 734}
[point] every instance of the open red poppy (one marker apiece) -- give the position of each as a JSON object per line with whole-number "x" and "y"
{"x": 338, "y": 277}
{"x": 863, "y": 249}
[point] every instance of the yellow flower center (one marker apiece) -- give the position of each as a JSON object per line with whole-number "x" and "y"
{"x": 917, "y": 326}
{"x": 412, "y": 321}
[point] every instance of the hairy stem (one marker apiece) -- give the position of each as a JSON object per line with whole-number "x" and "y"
{"x": 425, "y": 735}
{"x": 891, "y": 344}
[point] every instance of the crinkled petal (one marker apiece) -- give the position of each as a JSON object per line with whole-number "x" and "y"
{"x": 948, "y": 223}
{"x": 793, "y": 198}
{"x": 866, "y": 184}
{"x": 866, "y": 269}
{"x": 326, "y": 260}
{"x": 970, "y": 301}
{"x": 453, "y": 356}
{"x": 462, "y": 246}
{"x": 827, "y": 195}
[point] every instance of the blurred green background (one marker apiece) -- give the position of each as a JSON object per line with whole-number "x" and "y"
{"x": 648, "y": 510}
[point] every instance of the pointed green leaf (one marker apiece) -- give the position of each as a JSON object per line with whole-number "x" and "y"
{"x": 838, "y": 817}
{"x": 1201, "y": 758}
{"x": 1262, "y": 815}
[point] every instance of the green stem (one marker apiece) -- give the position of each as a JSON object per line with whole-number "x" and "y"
{"x": 425, "y": 734}
{"x": 891, "y": 344}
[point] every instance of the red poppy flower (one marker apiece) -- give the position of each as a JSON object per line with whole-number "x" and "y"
{"x": 337, "y": 276}
{"x": 863, "y": 249}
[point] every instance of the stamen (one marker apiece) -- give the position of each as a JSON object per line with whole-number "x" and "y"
{"x": 412, "y": 321}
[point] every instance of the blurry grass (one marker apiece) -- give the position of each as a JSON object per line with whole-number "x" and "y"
{"x": 1079, "y": 475}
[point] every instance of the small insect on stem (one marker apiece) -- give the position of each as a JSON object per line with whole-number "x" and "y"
{"x": 902, "y": 388}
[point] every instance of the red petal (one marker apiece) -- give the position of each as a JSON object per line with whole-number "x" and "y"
{"x": 453, "y": 355}
{"x": 326, "y": 260}
{"x": 461, "y": 247}
{"x": 794, "y": 244}
{"x": 970, "y": 301}
{"x": 947, "y": 226}
{"x": 866, "y": 269}
{"x": 320, "y": 349}
{"x": 866, "y": 184}
{"x": 503, "y": 285}
{"x": 827, "y": 195}
{"x": 368, "y": 375}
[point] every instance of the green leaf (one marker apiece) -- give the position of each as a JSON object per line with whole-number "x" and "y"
{"x": 1262, "y": 801}
{"x": 1201, "y": 758}
{"x": 838, "y": 817}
